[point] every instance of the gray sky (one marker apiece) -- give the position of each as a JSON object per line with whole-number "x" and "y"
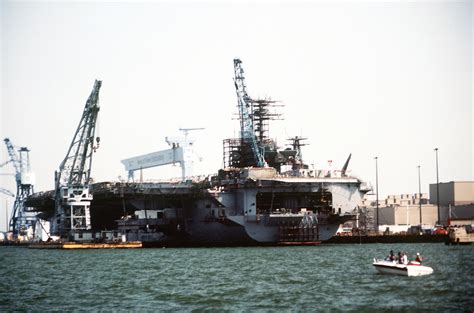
{"x": 391, "y": 79}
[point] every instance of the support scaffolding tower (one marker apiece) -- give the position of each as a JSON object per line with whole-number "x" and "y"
{"x": 238, "y": 151}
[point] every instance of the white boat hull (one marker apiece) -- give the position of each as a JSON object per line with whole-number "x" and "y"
{"x": 393, "y": 268}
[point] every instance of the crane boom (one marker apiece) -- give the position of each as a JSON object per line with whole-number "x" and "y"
{"x": 247, "y": 131}
{"x": 72, "y": 180}
{"x": 75, "y": 168}
{"x": 7, "y": 192}
{"x": 14, "y": 159}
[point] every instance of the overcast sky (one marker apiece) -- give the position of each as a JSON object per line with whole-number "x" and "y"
{"x": 390, "y": 79}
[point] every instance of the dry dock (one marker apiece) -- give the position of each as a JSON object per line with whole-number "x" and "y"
{"x": 387, "y": 239}
{"x": 86, "y": 245}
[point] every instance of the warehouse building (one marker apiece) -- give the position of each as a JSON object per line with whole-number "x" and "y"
{"x": 402, "y": 211}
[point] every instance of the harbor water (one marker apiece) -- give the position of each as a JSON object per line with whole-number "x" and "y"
{"x": 310, "y": 278}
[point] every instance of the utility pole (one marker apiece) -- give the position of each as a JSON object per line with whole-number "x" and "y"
{"x": 437, "y": 187}
{"x": 419, "y": 192}
{"x": 377, "y": 193}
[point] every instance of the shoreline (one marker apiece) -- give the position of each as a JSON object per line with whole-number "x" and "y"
{"x": 333, "y": 240}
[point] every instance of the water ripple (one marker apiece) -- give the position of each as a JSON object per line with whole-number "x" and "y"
{"x": 262, "y": 279}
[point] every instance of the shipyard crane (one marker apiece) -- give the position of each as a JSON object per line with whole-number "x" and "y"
{"x": 182, "y": 152}
{"x": 247, "y": 131}
{"x": 72, "y": 195}
{"x": 186, "y": 132}
{"x": 21, "y": 218}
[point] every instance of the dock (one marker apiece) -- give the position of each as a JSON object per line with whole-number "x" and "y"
{"x": 86, "y": 245}
{"x": 387, "y": 239}
{"x": 299, "y": 243}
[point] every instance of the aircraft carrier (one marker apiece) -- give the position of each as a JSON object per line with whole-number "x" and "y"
{"x": 237, "y": 207}
{"x": 263, "y": 195}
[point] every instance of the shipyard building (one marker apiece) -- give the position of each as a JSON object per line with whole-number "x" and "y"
{"x": 400, "y": 212}
{"x": 459, "y": 193}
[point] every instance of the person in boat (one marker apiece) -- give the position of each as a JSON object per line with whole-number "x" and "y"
{"x": 418, "y": 258}
{"x": 391, "y": 256}
{"x": 400, "y": 257}
{"x": 404, "y": 258}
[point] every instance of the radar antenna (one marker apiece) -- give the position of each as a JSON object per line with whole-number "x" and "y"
{"x": 296, "y": 144}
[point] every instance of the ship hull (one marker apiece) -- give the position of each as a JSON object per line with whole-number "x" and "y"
{"x": 241, "y": 211}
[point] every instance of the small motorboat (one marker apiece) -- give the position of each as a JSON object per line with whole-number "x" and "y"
{"x": 413, "y": 268}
